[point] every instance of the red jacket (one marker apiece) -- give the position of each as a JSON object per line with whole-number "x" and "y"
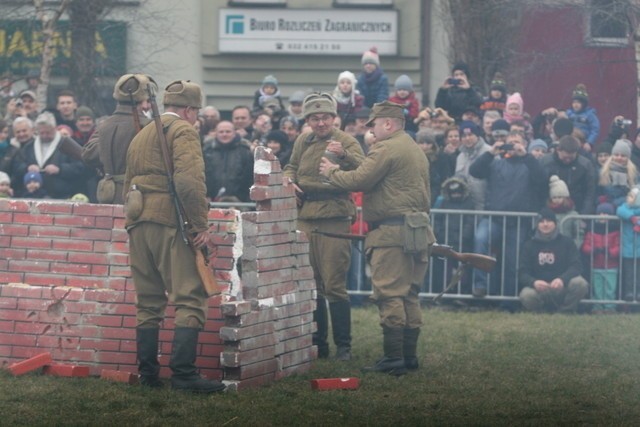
{"x": 411, "y": 105}
{"x": 604, "y": 247}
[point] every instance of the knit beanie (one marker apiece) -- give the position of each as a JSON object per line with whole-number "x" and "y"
{"x": 462, "y": 67}
{"x": 547, "y": 213}
{"x": 604, "y": 147}
{"x": 371, "y": 57}
{"x": 557, "y": 187}
{"x": 32, "y": 176}
{"x": 562, "y": 127}
{"x": 622, "y": 147}
{"x": 605, "y": 208}
{"x": 516, "y": 98}
{"x": 84, "y": 111}
{"x": 270, "y": 80}
{"x": 278, "y": 136}
{"x": 580, "y": 94}
{"x": 635, "y": 191}
{"x": 499, "y": 83}
{"x": 404, "y": 83}
{"x": 537, "y": 143}
{"x": 348, "y": 75}
{"x": 474, "y": 128}
{"x": 500, "y": 124}
{"x": 297, "y": 96}
{"x": 4, "y": 178}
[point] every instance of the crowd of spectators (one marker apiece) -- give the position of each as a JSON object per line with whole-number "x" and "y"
{"x": 486, "y": 153}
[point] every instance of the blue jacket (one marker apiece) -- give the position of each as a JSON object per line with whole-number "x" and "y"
{"x": 587, "y": 121}
{"x": 630, "y": 238}
{"x": 375, "y": 88}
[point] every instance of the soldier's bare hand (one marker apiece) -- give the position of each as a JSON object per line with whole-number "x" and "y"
{"x": 336, "y": 148}
{"x": 326, "y": 166}
{"x": 201, "y": 239}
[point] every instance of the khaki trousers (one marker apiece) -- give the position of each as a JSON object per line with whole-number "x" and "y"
{"x": 164, "y": 268}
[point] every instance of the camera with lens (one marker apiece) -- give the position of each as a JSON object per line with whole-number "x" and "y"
{"x": 433, "y": 114}
{"x": 454, "y": 82}
{"x": 623, "y": 122}
{"x": 507, "y": 147}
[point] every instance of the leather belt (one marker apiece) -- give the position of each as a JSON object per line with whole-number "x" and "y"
{"x": 392, "y": 220}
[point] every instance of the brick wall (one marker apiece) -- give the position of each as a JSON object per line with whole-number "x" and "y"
{"x": 65, "y": 287}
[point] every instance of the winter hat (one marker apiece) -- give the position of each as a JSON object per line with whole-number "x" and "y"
{"x": 371, "y": 57}
{"x": 500, "y": 124}
{"x": 537, "y": 143}
{"x": 498, "y": 83}
{"x": 548, "y": 214}
{"x": 4, "y": 178}
{"x": 562, "y": 127}
{"x": 636, "y": 200}
{"x": 606, "y": 208}
{"x": 404, "y": 83}
{"x": 462, "y": 67}
{"x": 319, "y": 103}
{"x": 297, "y": 96}
{"x": 568, "y": 144}
{"x": 79, "y": 198}
{"x": 604, "y": 147}
{"x": 516, "y": 98}
{"x": 32, "y": 176}
{"x": 270, "y": 80}
{"x": 557, "y": 187}
{"x": 84, "y": 111}
{"x": 474, "y": 128}
{"x": 455, "y": 184}
{"x": 29, "y": 93}
{"x": 278, "y": 136}
{"x": 183, "y": 93}
{"x": 622, "y": 147}
{"x": 580, "y": 94}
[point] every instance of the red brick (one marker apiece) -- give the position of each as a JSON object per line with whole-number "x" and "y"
{"x": 119, "y": 222}
{"x": 270, "y": 216}
{"x": 221, "y": 215}
{"x": 276, "y": 204}
{"x": 14, "y": 205}
{"x": 252, "y": 279}
{"x": 66, "y": 371}
{"x": 88, "y": 258}
{"x": 6, "y": 218}
{"x": 42, "y": 231}
{"x": 351, "y": 383}
{"x": 48, "y": 255}
{"x": 7, "y": 302}
{"x": 44, "y": 279}
{"x": 30, "y": 242}
{"x": 261, "y": 252}
{"x": 249, "y": 371}
{"x": 119, "y": 236}
{"x": 251, "y": 229}
{"x": 101, "y": 246}
{"x": 104, "y": 222}
{"x": 235, "y": 334}
{"x": 51, "y": 207}
{"x": 270, "y": 290}
{"x": 118, "y": 259}
{"x": 18, "y": 340}
{"x": 235, "y": 359}
{"x": 93, "y": 234}
{"x": 103, "y": 295}
{"x": 224, "y": 263}
{"x": 236, "y": 308}
{"x": 268, "y": 264}
{"x": 80, "y": 307}
{"x": 90, "y": 209}
{"x": 9, "y": 229}
{"x": 6, "y": 277}
{"x": 103, "y": 320}
{"x": 119, "y": 247}
{"x": 31, "y": 364}
{"x": 30, "y": 266}
{"x": 259, "y": 193}
{"x": 99, "y": 270}
{"x": 268, "y": 340}
{"x": 267, "y": 179}
{"x": 24, "y": 218}
{"x": 5, "y": 241}
{"x": 6, "y": 326}
{"x": 8, "y": 253}
{"x": 22, "y": 291}
{"x": 119, "y": 376}
{"x": 70, "y": 268}
{"x": 74, "y": 221}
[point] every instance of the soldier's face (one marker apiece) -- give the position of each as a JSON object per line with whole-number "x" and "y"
{"x": 191, "y": 114}
{"x": 321, "y": 124}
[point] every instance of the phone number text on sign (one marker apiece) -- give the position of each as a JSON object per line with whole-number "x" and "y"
{"x": 312, "y": 46}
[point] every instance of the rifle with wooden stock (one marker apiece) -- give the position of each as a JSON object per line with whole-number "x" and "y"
{"x": 479, "y": 261}
{"x": 204, "y": 270}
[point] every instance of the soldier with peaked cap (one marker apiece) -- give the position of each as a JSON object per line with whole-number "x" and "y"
{"x": 163, "y": 266}
{"x": 324, "y": 207}
{"x": 395, "y": 179}
{"x": 106, "y": 150}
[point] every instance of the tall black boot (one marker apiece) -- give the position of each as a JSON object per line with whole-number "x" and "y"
{"x": 147, "y": 349}
{"x": 341, "y": 325}
{"x": 393, "y": 361}
{"x": 319, "y": 337}
{"x": 182, "y": 363}
{"x": 410, "y": 346}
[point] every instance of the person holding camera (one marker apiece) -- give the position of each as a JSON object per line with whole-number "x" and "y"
{"x": 457, "y": 94}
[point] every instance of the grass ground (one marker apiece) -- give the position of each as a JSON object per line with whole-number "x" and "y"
{"x": 486, "y": 368}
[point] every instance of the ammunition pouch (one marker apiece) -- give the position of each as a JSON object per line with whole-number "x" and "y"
{"x": 106, "y": 191}
{"x": 133, "y": 203}
{"x": 417, "y": 234}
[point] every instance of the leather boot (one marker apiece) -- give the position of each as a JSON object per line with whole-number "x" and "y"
{"x": 319, "y": 337}
{"x": 147, "y": 349}
{"x": 393, "y": 361}
{"x": 183, "y": 358}
{"x": 410, "y": 345}
{"x": 341, "y": 325}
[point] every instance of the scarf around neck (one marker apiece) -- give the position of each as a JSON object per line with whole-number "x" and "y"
{"x": 42, "y": 158}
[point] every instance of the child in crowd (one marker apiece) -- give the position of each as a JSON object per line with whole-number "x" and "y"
{"x": 619, "y": 174}
{"x": 455, "y": 230}
{"x": 373, "y": 83}
{"x": 347, "y": 96}
{"x": 629, "y": 214}
{"x": 583, "y": 116}
{"x": 561, "y": 204}
{"x": 603, "y": 152}
{"x": 405, "y": 95}
{"x": 538, "y": 148}
{"x": 5, "y": 186}
{"x": 33, "y": 186}
{"x": 497, "y": 99}
{"x": 602, "y": 245}
{"x": 269, "y": 91}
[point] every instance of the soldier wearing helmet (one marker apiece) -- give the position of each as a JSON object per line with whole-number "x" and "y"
{"x": 107, "y": 148}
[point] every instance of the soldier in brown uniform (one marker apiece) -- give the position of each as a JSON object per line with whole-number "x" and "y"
{"x": 106, "y": 150}
{"x": 395, "y": 181}
{"x": 324, "y": 207}
{"x": 162, "y": 265}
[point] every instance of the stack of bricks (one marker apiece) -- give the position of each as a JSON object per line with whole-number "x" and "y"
{"x": 65, "y": 287}
{"x": 267, "y": 333}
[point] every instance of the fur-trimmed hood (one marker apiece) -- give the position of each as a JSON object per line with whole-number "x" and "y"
{"x": 454, "y": 181}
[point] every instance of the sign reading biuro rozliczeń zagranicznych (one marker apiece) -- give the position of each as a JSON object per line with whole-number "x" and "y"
{"x": 307, "y": 31}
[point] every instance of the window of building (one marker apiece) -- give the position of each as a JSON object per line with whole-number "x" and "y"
{"x": 608, "y": 23}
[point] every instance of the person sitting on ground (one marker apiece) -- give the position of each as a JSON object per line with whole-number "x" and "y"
{"x": 549, "y": 270}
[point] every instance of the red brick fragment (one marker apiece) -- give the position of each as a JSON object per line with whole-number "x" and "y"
{"x": 31, "y": 364}
{"x": 66, "y": 371}
{"x": 335, "y": 384}
{"x": 119, "y": 376}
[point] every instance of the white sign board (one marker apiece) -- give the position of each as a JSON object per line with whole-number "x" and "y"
{"x": 308, "y": 31}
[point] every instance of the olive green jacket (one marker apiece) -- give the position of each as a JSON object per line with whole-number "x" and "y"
{"x": 395, "y": 180}
{"x": 146, "y": 170}
{"x": 303, "y": 169}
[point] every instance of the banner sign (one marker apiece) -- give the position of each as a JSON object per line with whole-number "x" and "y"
{"x": 308, "y": 31}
